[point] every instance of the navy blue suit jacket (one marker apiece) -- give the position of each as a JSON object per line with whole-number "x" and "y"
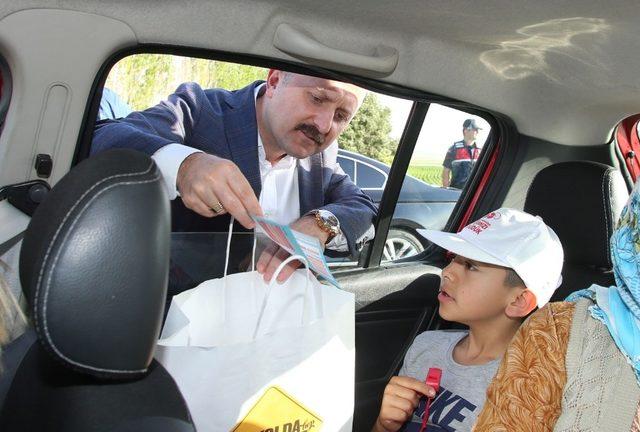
{"x": 223, "y": 123}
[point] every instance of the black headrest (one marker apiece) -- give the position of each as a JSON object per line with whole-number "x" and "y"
{"x": 581, "y": 201}
{"x": 94, "y": 265}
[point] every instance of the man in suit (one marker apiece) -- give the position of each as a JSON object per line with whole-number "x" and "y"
{"x": 267, "y": 149}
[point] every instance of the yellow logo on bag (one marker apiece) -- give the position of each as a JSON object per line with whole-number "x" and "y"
{"x": 276, "y": 411}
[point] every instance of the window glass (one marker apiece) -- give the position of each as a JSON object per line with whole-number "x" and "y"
{"x": 449, "y": 144}
{"x": 367, "y": 146}
{"x": 370, "y": 177}
{"x": 348, "y": 166}
{"x": 143, "y": 80}
{"x": 148, "y": 83}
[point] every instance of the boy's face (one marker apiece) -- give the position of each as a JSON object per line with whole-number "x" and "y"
{"x": 474, "y": 292}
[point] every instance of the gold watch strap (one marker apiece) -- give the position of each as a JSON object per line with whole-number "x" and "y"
{"x": 323, "y": 226}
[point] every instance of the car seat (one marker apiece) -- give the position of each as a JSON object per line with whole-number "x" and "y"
{"x": 94, "y": 268}
{"x": 581, "y": 201}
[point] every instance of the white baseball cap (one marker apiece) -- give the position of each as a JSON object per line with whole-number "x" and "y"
{"x": 514, "y": 239}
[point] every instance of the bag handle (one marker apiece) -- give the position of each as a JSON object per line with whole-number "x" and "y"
{"x": 305, "y": 305}
{"x": 305, "y": 313}
{"x": 223, "y": 297}
{"x": 227, "y": 253}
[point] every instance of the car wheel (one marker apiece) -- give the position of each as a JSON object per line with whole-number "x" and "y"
{"x": 401, "y": 244}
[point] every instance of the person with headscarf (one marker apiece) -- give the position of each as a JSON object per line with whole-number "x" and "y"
{"x": 575, "y": 365}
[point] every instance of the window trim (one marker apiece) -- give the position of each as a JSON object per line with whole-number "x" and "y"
{"x": 384, "y": 183}
{"x": 399, "y": 167}
{"x": 355, "y": 168}
{"x": 355, "y": 173}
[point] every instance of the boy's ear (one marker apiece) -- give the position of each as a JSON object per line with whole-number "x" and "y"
{"x": 522, "y": 305}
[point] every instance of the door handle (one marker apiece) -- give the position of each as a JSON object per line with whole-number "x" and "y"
{"x": 301, "y": 44}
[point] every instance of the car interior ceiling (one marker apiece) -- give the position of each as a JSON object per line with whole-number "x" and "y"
{"x": 396, "y": 301}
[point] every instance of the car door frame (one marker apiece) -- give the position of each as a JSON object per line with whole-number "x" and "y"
{"x": 399, "y": 275}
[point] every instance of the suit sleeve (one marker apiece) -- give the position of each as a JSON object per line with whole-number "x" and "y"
{"x": 171, "y": 121}
{"x": 353, "y": 208}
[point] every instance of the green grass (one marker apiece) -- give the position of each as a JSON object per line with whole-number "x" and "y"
{"x": 430, "y": 174}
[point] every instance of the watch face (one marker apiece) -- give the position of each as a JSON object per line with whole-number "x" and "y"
{"x": 331, "y": 220}
{"x": 329, "y": 223}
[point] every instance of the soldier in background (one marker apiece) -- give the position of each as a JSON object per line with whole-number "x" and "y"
{"x": 461, "y": 156}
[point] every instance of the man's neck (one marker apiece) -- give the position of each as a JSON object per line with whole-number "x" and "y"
{"x": 272, "y": 152}
{"x": 469, "y": 142}
{"x": 486, "y": 341}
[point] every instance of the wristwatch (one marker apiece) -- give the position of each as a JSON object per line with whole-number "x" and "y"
{"x": 327, "y": 223}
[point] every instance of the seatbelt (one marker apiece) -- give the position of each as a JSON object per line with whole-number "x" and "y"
{"x": 4, "y": 247}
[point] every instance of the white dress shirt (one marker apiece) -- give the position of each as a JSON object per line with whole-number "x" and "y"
{"x": 279, "y": 196}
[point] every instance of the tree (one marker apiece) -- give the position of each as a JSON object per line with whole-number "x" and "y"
{"x": 368, "y": 133}
{"x": 143, "y": 80}
{"x": 234, "y": 76}
{"x": 140, "y": 79}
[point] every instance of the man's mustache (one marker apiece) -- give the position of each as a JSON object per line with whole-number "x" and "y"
{"x": 311, "y": 132}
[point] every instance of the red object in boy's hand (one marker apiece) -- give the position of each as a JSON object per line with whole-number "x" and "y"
{"x": 433, "y": 380}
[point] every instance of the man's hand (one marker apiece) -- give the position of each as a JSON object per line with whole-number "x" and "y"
{"x": 273, "y": 255}
{"x": 401, "y": 397}
{"x": 204, "y": 180}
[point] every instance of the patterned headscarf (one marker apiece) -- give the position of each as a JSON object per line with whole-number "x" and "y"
{"x": 625, "y": 253}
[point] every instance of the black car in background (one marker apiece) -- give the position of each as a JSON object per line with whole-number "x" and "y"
{"x": 420, "y": 205}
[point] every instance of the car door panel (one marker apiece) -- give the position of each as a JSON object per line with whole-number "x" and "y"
{"x": 394, "y": 304}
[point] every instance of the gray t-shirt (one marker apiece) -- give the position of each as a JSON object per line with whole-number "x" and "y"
{"x": 462, "y": 388}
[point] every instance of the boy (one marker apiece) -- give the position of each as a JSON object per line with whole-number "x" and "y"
{"x": 507, "y": 263}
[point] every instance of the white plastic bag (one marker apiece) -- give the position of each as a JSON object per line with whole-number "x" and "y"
{"x": 251, "y": 356}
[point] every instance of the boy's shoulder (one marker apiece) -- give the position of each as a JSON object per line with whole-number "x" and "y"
{"x": 441, "y": 334}
{"x": 431, "y": 347}
{"x": 436, "y": 339}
